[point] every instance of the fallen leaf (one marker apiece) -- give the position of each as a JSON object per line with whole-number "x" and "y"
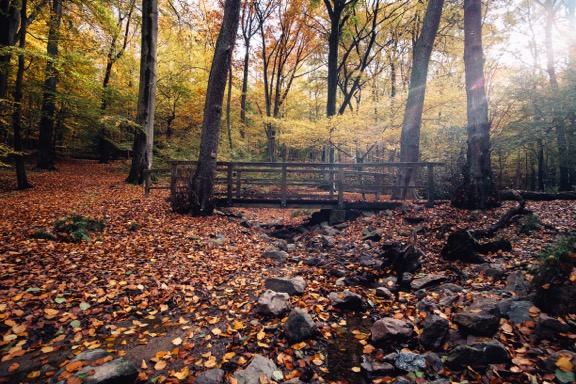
{"x": 13, "y": 367}
{"x": 160, "y": 365}
{"x": 177, "y": 341}
{"x": 564, "y": 364}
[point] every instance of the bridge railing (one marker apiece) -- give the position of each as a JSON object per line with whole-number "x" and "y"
{"x": 238, "y": 182}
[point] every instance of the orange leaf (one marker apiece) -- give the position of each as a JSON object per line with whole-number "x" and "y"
{"x": 160, "y": 365}
{"x": 13, "y": 367}
{"x": 564, "y": 364}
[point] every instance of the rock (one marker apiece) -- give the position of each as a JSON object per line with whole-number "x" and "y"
{"x": 391, "y": 329}
{"x": 346, "y": 300}
{"x": 299, "y": 326}
{"x": 272, "y": 303}
{"x": 482, "y": 319}
{"x": 406, "y": 279}
{"x": 434, "y": 361}
{"x": 341, "y": 282}
{"x": 374, "y": 368}
{"x": 427, "y": 281}
{"x": 548, "y": 327}
{"x": 401, "y": 258}
{"x": 427, "y": 306}
{"x": 292, "y": 287}
{"x": 505, "y": 305}
{"x": 390, "y": 283}
{"x": 275, "y": 254}
{"x": 212, "y": 376}
{"x": 368, "y": 261}
{"x": 312, "y": 261}
{"x": 409, "y": 362}
{"x": 449, "y": 288}
{"x": 374, "y": 235}
{"x": 338, "y": 272}
{"x": 383, "y": 293}
{"x": 557, "y": 300}
{"x": 401, "y": 380}
{"x": 517, "y": 283}
{"x": 460, "y": 245}
{"x": 294, "y": 381}
{"x": 337, "y": 216}
{"x": 116, "y": 371}
{"x": 258, "y": 367}
{"x": 434, "y": 332}
{"x": 520, "y": 311}
{"x": 490, "y": 352}
{"x": 494, "y": 271}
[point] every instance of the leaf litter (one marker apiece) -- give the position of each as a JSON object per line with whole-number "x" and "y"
{"x": 175, "y": 294}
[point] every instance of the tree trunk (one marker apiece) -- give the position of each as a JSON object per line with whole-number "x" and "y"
{"x": 46, "y": 153}
{"x": 17, "y": 114}
{"x": 202, "y": 183}
{"x": 229, "y": 112}
{"x": 144, "y": 138}
{"x": 104, "y": 147}
{"x": 561, "y": 137}
{"x": 477, "y": 190}
{"x": 9, "y": 21}
{"x": 410, "y": 136}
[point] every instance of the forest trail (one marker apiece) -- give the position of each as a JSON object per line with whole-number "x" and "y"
{"x": 176, "y": 294}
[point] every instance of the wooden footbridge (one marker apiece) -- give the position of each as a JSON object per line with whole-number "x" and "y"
{"x": 297, "y": 185}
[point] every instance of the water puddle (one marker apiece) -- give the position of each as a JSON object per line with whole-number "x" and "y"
{"x": 344, "y": 351}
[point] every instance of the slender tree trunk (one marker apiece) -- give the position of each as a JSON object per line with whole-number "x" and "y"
{"x": 144, "y": 139}
{"x": 410, "y": 136}
{"x": 17, "y": 114}
{"x": 561, "y": 137}
{"x": 477, "y": 190}
{"x": 104, "y": 147}
{"x": 540, "y": 166}
{"x": 46, "y": 152}
{"x": 202, "y": 183}
{"x": 9, "y": 21}
{"x": 228, "y": 112}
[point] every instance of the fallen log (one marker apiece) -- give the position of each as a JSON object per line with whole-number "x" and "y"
{"x": 464, "y": 245}
{"x": 537, "y": 196}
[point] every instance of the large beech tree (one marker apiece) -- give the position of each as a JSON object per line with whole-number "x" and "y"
{"x": 46, "y": 150}
{"x": 202, "y": 183}
{"x": 144, "y": 138}
{"x": 477, "y": 190}
{"x": 410, "y": 136}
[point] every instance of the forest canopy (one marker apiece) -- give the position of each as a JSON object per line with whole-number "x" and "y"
{"x": 75, "y": 65}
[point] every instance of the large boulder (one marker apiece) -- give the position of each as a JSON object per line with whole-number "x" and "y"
{"x": 426, "y": 282}
{"x": 488, "y": 352}
{"x": 113, "y": 371}
{"x": 273, "y": 303}
{"x": 211, "y": 376}
{"x": 299, "y": 326}
{"x": 434, "y": 332}
{"x": 292, "y": 287}
{"x": 275, "y": 254}
{"x": 391, "y": 329}
{"x": 346, "y": 300}
{"x": 481, "y": 319}
{"x": 260, "y": 366}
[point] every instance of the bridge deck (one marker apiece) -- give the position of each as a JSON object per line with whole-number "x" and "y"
{"x": 299, "y": 185}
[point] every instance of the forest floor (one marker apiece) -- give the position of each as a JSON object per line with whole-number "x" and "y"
{"x": 176, "y": 294}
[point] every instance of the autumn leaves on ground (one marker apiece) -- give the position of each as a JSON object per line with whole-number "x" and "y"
{"x": 176, "y": 294}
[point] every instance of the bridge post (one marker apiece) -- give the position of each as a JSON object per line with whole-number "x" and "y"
{"x": 238, "y": 181}
{"x": 283, "y": 186}
{"x": 341, "y": 187}
{"x": 430, "y": 169}
{"x": 229, "y": 183}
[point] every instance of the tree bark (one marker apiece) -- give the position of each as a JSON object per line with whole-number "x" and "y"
{"x": 202, "y": 183}
{"x": 410, "y": 135}
{"x": 144, "y": 138}
{"x": 104, "y": 147}
{"x": 9, "y": 21}
{"x": 561, "y": 136}
{"x": 21, "y": 177}
{"x": 335, "y": 10}
{"x": 46, "y": 152}
{"x": 477, "y": 190}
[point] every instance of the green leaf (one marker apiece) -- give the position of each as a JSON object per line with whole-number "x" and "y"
{"x": 84, "y": 305}
{"x": 34, "y": 289}
{"x": 59, "y": 300}
{"x": 75, "y": 324}
{"x": 565, "y": 377}
{"x": 420, "y": 374}
{"x": 154, "y": 379}
{"x": 277, "y": 375}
